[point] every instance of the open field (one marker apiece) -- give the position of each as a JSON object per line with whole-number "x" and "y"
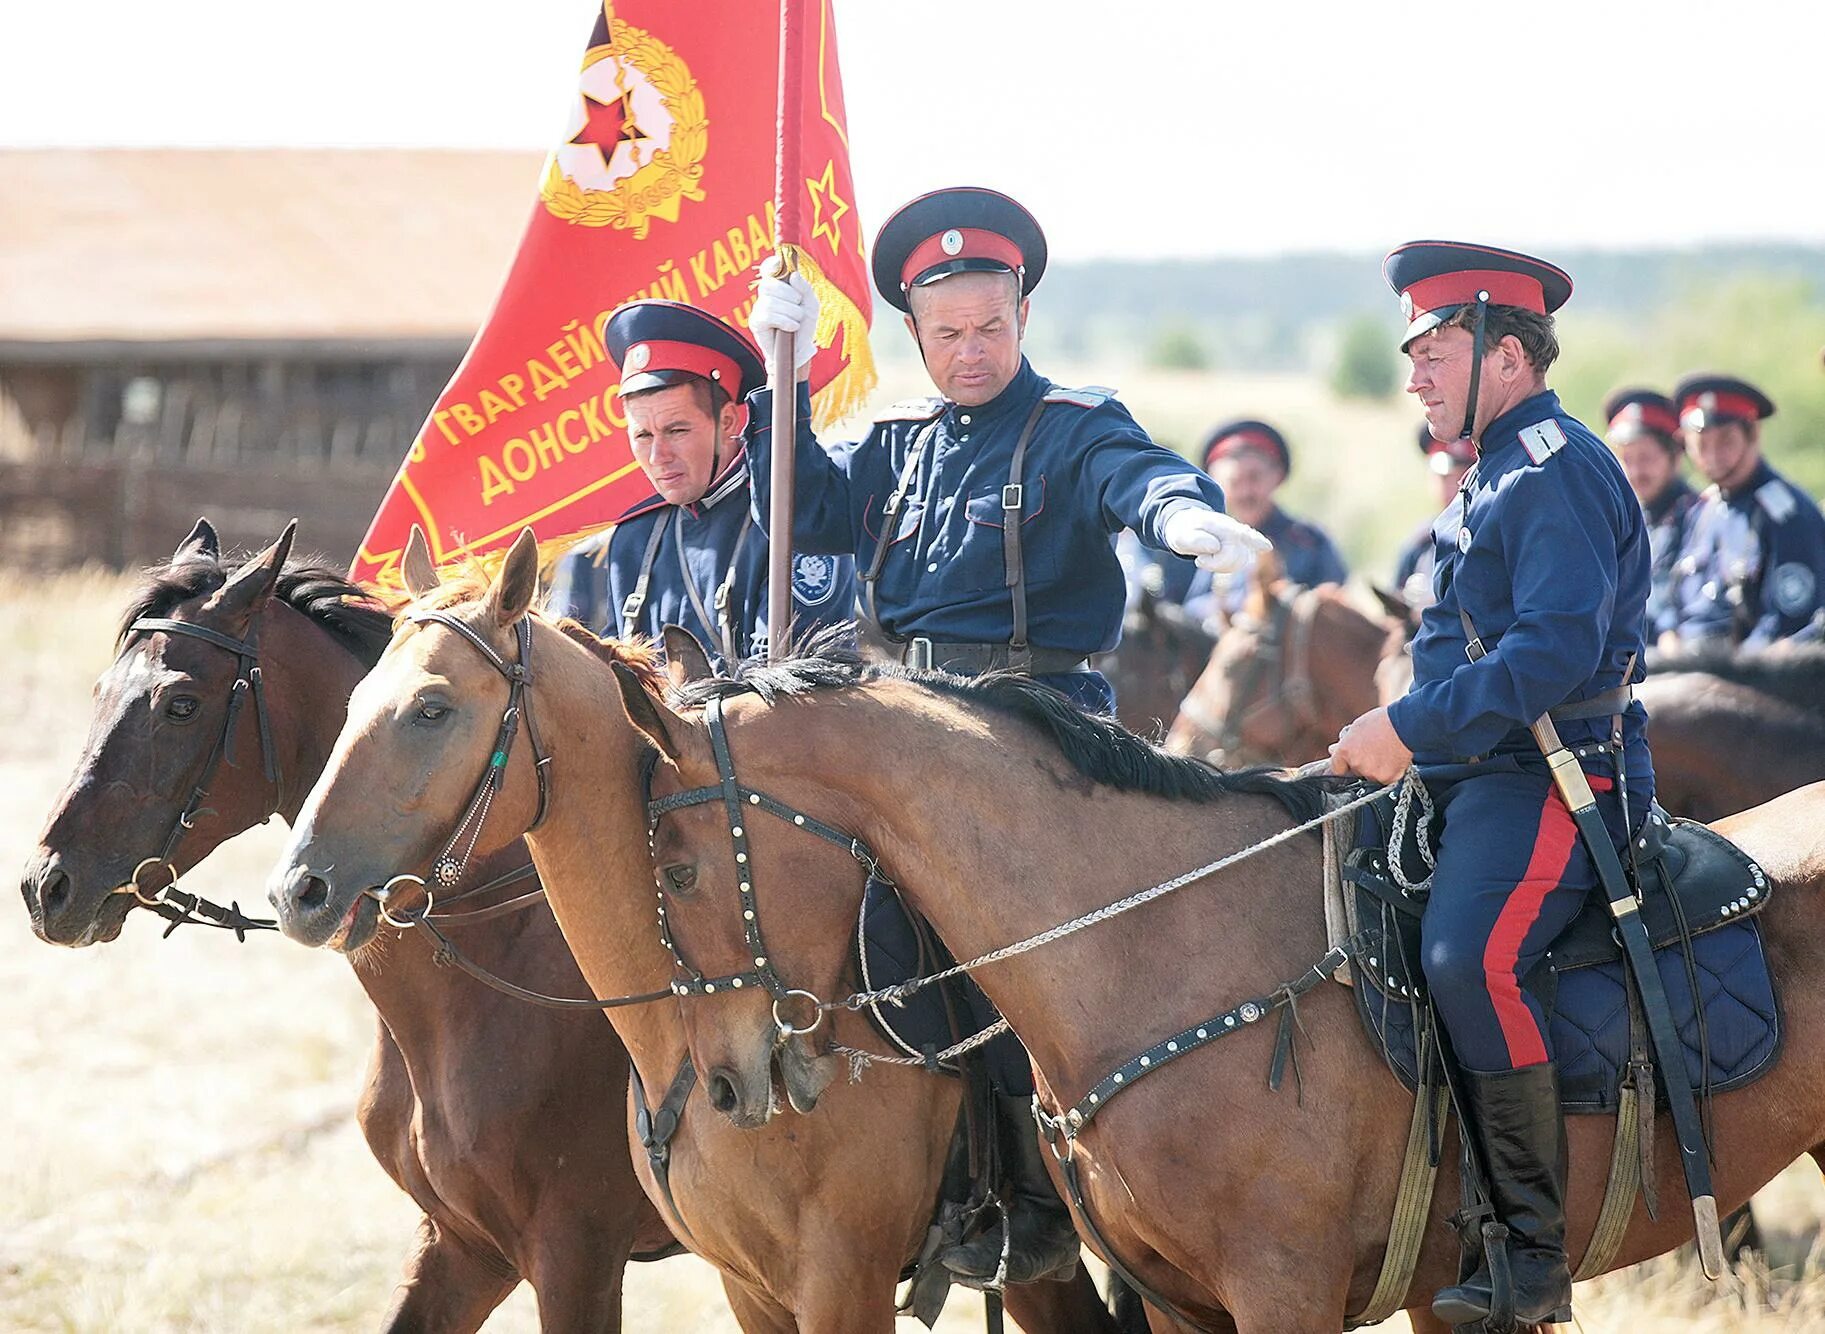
{"x": 180, "y": 1151}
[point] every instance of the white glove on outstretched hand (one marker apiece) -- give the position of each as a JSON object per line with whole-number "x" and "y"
{"x": 787, "y": 305}
{"x": 1221, "y": 544}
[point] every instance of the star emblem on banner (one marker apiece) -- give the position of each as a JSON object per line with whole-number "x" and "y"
{"x": 827, "y": 208}
{"x": 607, "y": 125}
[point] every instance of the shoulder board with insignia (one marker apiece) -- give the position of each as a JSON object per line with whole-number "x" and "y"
{"x": 1542, "y": 440}
{"x": 1774, "y": 497}
{"x": 912, "y": 410}
{"x": 1089, "y": 396}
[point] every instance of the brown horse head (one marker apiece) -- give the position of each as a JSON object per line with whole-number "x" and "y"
{"x": 161, "y": 711}
{"x": 735, "y": 1033}
{"x": 1394, "y": 673}
{"x": 1291, "y": 670}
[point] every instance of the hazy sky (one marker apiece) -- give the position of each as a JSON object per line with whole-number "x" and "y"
{"x": 1132, "y": 128}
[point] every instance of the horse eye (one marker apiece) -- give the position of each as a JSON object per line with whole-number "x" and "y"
{"x": 680, "y": 879}
{"x": 430, "y": 711}
{"x": 181, "y": 708}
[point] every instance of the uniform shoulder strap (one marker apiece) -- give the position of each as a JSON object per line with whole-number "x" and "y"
{"x": 1089, "y": 396}
{"x": 912, "y": 410}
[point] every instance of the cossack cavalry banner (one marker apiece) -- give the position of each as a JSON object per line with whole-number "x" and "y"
{"x": 662, "y": 186}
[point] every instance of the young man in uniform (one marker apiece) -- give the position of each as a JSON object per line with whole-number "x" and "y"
{"x": 983, "y": 524}
{"x": 1446, "y": 463}
{"x": 1541, "y": 584}
{"x": 1644, "y": 431}
{"x": 690, "y": 554}
{"x": 1752, "y": 569}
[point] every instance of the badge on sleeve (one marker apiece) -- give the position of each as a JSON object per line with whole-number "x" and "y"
{"x": 1793, "y": 590}
{"x": 813, "y": 579}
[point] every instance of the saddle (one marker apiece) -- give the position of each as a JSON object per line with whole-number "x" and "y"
{"x": 1700, "y": 898}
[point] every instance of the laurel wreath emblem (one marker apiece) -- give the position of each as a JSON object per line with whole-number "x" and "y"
{"x": 673, "y": 173}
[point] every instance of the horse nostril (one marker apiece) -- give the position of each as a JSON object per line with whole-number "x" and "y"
{"x": 722, "y": 1093}
{"x": 313, "y": 892}
{"x": 54, "y": 892}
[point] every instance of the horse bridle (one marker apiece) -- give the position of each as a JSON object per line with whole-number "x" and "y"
{"x": 739, "y": 802}
{"x": 1290, "y": 629}
{"x": 178, "y": 907}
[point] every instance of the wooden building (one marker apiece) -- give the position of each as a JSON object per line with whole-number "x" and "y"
{"x": 253, "y": 334}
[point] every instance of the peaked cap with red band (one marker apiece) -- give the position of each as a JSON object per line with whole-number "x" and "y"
{"x": 1444, "y": 455}
{"x": 1708, "y": 400}
{"x": 661, "y": 343}
{"x": 960, "y": 230}
{"x": 1435, "y": 278}
{"x": 1633, "y": 413}
{"x": 1244, "y": 437}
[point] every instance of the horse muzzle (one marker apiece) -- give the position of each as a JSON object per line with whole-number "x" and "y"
{"x": 67, "y": 908}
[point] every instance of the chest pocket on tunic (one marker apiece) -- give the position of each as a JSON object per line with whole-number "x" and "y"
{"x": 982, "y": 563}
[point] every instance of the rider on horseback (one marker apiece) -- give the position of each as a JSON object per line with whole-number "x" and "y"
{"x": 1541, "y": 584}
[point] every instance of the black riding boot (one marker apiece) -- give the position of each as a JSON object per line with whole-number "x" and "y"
{"x": 1043, "y": 1240}
{"x": 1522, "y": 1132}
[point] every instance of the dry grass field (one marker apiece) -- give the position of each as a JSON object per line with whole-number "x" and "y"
{"x": 179, "y": 1151}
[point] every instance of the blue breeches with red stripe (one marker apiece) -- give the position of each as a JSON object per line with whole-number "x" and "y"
{"x": 1512, "y": 874}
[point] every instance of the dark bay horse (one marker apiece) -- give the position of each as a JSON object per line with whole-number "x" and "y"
{"x": 1163, "y": 650}
{"x": 809, "y": 1221}
{"x": 502, "y": 1122}
{"x": 1005, "y": 812}
{"x": 1289, "y": 671}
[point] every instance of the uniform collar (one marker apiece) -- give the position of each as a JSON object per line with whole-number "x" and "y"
{"x": 733, "y": 480}
{"x": 1276, "y": 521}
{"x": 1762, "y": 475}
{"x": 1026, "y": 385}
{"x": 1506, "y": 429}
{"x": 1670, "y": 495}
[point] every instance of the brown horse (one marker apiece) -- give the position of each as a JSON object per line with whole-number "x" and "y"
{"x": 1163, "y": 650}
{"x": 1292, "y": 668}
{"x": 811, "y": 1222}
{"x": 1004, "y": 812}
{"x": 501, "y": 1121}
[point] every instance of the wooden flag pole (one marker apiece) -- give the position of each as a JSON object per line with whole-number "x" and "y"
{"x": 784, "y": 379}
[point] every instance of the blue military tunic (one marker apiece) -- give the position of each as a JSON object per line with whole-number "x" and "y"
{"x": 1306, "y": 554}
{"x": 1669, "y": 516}
{"x": 711, "y": 549}
{"x": 1090, "y": 471}
{"x": 1753, "y": 564}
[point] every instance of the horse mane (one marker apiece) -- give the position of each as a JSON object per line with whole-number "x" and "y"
{"x": 1794, "y": 675}
{"x": 1099, "y": 748}
{"x": 353, "y": 616}
{"x": 636, "y": 653}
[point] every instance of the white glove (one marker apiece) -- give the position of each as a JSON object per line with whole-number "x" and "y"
{"x": 785, "y": 305}
{"x": 1221, "y": 544}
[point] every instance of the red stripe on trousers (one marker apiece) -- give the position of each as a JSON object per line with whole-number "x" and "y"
{"x": 1553, "y": 845}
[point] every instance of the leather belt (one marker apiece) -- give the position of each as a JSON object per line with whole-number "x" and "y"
{"x": 971, "y": 659}
{"x": 1604, "y": 704}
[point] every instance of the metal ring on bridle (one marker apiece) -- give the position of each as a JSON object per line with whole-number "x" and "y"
{"x": 785, "y": 1026}
{"x": 140, "y": 894}
{"x": 386, "y": 891}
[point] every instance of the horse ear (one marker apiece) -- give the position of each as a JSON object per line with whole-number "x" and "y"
{"x": 518, "y": 582}
{"x": 1392, "y": 602}
{"x": 685, "y": 660}
{"x": 247, "y": 588}
{"x": 202, "y": 544}
{"x": 662, "y": 727}
{"x": 1262, "y": 580}
{"x": 415, "y": 566}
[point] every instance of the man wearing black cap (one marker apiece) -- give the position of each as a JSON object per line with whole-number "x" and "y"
{"x": 1644, "y": 431}
{"x": 983, "y": 521}
{"x": 1446, "y": 463}
{"x": 689, "y": 554}
{"x": 1752, "y": 569}
{"x": 1541, "y": 581}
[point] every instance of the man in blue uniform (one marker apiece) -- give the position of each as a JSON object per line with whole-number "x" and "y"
{"x": 1541, "y": 584}
{"x": 983, "y": 522}
{"x": 1644, "y": 431}
{"x": 1446, "y": 463}
{"x": 1753, "y": 565}
{"x": 1250, "y": 460}
{"x": 690, "y": 554}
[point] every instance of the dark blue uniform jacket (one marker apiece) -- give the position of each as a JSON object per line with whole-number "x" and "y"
{"x": 1753, "y": 565}
{"x": 1090, "y": 471}
{"x": 1547, "y": 549}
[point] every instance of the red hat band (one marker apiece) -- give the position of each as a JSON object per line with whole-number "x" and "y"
{"x": 1721, "y": 402}
{"x": 960, "y": 243}
{"x": 656, "y": 355}
{"x": 1650, "y": 415}
{"x": 1244, "y": 442}
{"x": 1462, "y": 288}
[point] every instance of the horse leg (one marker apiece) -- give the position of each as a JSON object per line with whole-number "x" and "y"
{"x": 449, "y": 1287}
{"x": 576, "y": 1275}
{"x": 755, "y": 1312}
{"x": 1070, "y": 1307}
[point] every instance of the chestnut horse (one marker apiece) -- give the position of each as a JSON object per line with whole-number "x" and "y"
{"x": 1292, "y": 668}
{"x": 501, "y": 1121}
{"x": 810, "y": 1222}
{"x": 1003, "y": 812}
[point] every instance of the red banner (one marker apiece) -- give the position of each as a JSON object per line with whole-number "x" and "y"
{"x": 662, "y": 186}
